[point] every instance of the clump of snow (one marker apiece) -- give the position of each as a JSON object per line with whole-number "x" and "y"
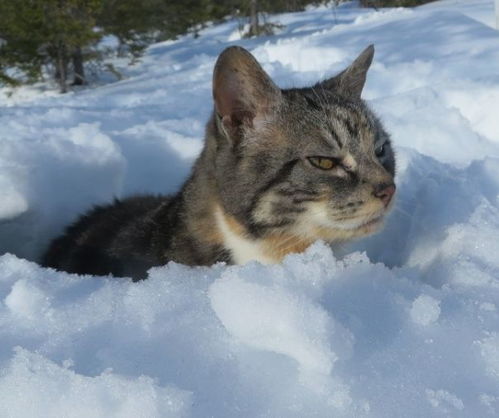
{"x": 53, "y": 170}
{"x": 44, "y": 388}
{"x": 26, "y": 300}
{"x": 280, "y": 322}
{"x": 13, "y": 202}
{"x": 425, "y": 310}
{"x": 443, "y": 399}
{"x": 307, "y": 58}
{"x": 492, "y": 402}
{"x": 489, "y": 349}
{"x": 406, "y": 320}
{"x": 487, "y": 306}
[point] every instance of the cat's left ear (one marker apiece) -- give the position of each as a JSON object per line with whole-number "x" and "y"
{"x": 350, "y": 82}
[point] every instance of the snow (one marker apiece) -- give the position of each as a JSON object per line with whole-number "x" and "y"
{"x": 402, "y": 323}
{"x": 489, "y": 349}
{"x": 442, "y": 397}
{"x": 425, "y": 310}
{"x": 55, "y": 389}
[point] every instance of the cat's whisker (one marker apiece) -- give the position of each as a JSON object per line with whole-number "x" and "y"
{"x": 402, "y": 211}
{"x": 412, "y": 219}
{"x": 290, "y": 244}
{"x": 286, "y": 241}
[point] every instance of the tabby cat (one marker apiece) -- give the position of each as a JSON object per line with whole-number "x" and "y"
{"x": 279, "y": 170}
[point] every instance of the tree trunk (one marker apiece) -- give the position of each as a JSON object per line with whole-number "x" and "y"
{"x": 79, "y": 70}
{"x": 121, "y": 47}
{"x": 254, "y": 26}
{"x": 62, "y": 68}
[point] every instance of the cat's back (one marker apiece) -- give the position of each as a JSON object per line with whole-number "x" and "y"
{"x": 96, "y": 242}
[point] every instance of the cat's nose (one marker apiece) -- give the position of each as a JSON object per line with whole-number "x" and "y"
{"x": 385, "y": 192}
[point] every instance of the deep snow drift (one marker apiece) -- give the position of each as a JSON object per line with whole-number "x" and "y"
{"x": 405, "y": 323}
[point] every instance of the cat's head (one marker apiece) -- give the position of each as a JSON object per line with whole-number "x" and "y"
{"x": 308, "y": 162}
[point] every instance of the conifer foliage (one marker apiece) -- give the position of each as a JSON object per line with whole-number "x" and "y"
{"x": 57, "y": 38}
{"x": 39, "y": 34}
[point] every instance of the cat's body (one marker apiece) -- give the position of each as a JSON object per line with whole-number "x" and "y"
{"x": 280, "y": 169}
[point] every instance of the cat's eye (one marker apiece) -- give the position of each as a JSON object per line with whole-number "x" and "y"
{"x": 380, "y": 150}
{"x": 324, "y": 163}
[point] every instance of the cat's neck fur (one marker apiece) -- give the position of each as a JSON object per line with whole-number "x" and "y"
{"x": 220, "y": 233}
{"x": 205, "y": 219}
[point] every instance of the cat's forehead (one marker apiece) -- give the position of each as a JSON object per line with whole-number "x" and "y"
{"x": 352, "y": 127}
{"x": 328, "y": 119}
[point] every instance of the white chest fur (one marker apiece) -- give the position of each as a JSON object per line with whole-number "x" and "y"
{"x": 242, "y": 248}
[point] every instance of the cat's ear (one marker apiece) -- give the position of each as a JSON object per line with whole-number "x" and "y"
{"x": 242, "y": 90}
{"x": 350, "y": 82}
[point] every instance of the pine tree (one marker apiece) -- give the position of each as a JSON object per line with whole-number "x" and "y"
{"x": 137, "y": 23}
{"x": 58, "y": 36}
{"x": 47, "y": 33}
{"x": 256, "y": 11}
{"x": 132, "y": 22}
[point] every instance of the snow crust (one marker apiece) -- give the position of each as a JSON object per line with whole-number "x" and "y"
{"x": 404, "y": 323}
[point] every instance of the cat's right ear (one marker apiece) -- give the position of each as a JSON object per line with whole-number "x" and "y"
{"x": 242, "y": 90}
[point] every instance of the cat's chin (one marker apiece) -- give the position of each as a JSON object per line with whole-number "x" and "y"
{"x": 364, "y": 227}
{"x": 371, "y": 223}
{"x": 371, "y": 226}
{"x": 334, "y": 232}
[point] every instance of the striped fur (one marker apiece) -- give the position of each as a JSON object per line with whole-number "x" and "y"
{"x": 255, "y": 192}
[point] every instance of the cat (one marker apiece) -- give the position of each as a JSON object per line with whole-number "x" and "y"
{"x": 279, "y": 170}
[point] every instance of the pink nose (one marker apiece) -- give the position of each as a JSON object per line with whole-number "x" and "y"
{"x": 385, "y": 192}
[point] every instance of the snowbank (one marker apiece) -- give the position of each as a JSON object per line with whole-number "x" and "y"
{"x": 403, "y": 323}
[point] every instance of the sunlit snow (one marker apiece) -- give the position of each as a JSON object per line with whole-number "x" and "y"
{"x": 404, "y": 323}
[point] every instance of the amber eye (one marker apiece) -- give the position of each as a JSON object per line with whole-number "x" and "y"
{"x": 324, "y": 163}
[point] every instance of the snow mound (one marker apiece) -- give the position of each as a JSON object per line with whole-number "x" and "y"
{"x": 58, "y": 391}
{"x": 403, "y": 323}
